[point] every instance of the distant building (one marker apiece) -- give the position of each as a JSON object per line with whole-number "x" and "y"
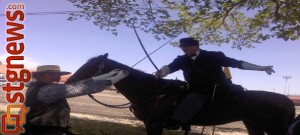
{"x": 295, "y": 99}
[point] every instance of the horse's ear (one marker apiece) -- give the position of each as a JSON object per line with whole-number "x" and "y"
{"x": 105, "y": 55}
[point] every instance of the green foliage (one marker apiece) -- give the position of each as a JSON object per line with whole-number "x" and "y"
{"x": 237, "y": 22}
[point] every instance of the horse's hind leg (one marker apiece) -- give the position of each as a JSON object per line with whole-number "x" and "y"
{"x": 253, "y": 129}
{"x": 153, "y": 128}
{"x": 276, "y": 131}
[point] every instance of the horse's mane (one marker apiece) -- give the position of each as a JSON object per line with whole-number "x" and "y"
{"x": 136, "y": 72}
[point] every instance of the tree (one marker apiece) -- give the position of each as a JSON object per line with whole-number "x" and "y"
{"x": 237, "y": 22}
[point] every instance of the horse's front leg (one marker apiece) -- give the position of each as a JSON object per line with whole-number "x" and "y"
{"x": 253, "y": 129}
{"x": 153, "y": 128}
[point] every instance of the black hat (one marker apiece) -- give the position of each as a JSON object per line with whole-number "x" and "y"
{"x": 185, "y": 42}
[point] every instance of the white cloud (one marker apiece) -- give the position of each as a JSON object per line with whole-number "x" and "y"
{"x": 28, "y": 62}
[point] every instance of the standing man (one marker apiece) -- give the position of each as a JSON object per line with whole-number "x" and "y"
{"x": 203, "y": 71}
{"x": 49, "y": 111}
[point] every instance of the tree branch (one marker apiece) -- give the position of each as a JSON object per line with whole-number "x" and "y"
{"x": 228, "y": 12}
{"x": 277, "y": 15}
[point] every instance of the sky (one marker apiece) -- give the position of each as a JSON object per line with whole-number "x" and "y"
{"x": 51, "y": 39}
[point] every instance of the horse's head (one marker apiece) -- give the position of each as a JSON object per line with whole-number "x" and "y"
{"x": 89, "y": 69}
{"x": 137, "y": 86}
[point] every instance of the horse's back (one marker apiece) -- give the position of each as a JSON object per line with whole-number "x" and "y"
{"x": 259, "y": 107}
{"x": 267, "y": 102}
{"x": 268, "y": 110}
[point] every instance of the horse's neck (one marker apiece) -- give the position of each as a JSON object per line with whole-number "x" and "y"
{"x": 137, "y": 85}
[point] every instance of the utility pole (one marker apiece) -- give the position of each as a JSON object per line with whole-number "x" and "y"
{"x": 286, "y": 78}
{"x": 288, "y": 92}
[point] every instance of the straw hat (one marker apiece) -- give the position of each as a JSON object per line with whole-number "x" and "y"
{"x": 49, "y": 69}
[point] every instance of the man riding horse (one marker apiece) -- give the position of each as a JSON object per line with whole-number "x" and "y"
{"x": 203, "y": 71}
{"x": 261, "y": 111}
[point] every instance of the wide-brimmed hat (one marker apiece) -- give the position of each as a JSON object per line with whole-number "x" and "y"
{"x": 186, "y": 42}
{"x": 48, "y": 69}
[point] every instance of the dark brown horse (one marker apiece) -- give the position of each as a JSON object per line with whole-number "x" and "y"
{"x": 153, "y": 101}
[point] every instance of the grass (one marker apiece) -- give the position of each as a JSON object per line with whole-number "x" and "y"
{"x": 93, "y": 127}
{"x": 90, "y": 127}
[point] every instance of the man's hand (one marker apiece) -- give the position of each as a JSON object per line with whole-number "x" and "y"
{"x": 114, "y": 75}
{"x": 117, "y": 77}
{"x": 164, "y": 71}
{"x": 248, "y": 66}
{"x": 107, "y": 75}
{"x": 268, "y": 69}
{"x": 159, "y": 74}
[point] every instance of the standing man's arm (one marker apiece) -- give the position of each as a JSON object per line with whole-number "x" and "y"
{"x": 53, "y": 92}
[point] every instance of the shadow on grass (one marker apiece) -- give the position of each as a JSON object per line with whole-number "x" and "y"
{"x": 93, "y": 127}
{"x": 90, "y": 127}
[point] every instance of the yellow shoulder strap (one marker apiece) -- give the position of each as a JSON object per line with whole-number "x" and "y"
{"x": 227, "y": 73}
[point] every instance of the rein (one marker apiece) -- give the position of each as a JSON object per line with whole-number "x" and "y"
{"x": 133, "y": 105}
{"x": 142, "y": 45}
{"x": 107, "y": 105}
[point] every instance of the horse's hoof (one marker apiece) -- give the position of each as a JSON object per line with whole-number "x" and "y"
{"x": 172, "y": 125}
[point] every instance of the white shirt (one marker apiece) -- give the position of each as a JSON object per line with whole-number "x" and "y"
{"x": 197, "y": 53}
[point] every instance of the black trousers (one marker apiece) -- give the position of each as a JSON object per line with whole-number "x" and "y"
{"x": 191, "y": 104}
{"x": 31, "y": 129}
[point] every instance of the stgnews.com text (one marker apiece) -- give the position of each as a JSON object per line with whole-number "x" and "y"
{"x": 11, "y": 121}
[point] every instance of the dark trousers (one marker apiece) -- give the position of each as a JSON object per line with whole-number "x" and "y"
{"x": 189, "y": 107}
{"x": 45, "y": 130}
